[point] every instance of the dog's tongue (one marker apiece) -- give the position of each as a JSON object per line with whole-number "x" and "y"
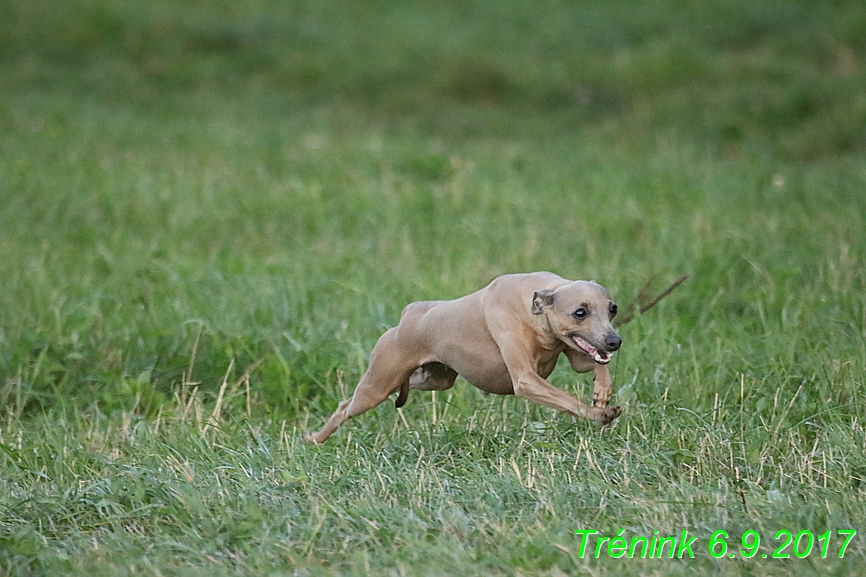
{"x": 600, "y": 357}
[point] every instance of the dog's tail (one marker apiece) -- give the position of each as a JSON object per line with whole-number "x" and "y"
{"x": 404, "y": 394}
{"x": 641, "y": 305}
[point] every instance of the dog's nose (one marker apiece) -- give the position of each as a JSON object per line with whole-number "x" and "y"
{"x": 613, "y": 342}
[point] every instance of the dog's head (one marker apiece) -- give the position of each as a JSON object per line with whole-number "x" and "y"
{"x": 579, "y": 314}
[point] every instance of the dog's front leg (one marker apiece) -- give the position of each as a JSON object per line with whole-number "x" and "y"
{"x": 530, "y": 385}
{"x": 602, "y": 389}
{"x": 602, "y": 383}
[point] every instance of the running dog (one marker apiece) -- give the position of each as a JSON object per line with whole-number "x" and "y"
{"x": 504, "y": 339}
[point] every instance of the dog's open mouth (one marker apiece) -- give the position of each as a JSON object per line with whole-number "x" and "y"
{"x": 601, "y": 357}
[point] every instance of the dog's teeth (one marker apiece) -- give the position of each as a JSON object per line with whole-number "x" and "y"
{"x": 601, "y": 358}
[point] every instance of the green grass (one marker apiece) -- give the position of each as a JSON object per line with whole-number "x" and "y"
{"x": 210, "y": 211}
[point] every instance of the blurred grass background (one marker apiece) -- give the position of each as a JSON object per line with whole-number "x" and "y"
{"x": 192, "y": 192}
{"x": 306, "y": 169}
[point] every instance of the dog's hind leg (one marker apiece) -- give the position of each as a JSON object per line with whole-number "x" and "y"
{"x": 428, "y": 377}
{"x": 388, "y": 370}
{"x": 432, "y": 377}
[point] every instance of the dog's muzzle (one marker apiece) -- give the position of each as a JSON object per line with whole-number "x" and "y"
{"x": 601, "y": 357}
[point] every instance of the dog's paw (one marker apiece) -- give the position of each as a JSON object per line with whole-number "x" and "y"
{"x": 600, "y": 403}
{"x": 612, "y": 413}
{"x": 309, "y": 439}
{"x": 605, "y": 415}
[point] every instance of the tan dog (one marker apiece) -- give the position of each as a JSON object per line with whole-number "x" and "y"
{"x": 504, "y": 339}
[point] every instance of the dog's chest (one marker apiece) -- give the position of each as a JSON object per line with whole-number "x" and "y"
{"x": 546, "y": 363}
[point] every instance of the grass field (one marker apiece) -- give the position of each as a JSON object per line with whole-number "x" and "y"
{"x": 210, "y": 210}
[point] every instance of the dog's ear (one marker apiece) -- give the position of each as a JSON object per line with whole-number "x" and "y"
{"x": 541, "y": 299}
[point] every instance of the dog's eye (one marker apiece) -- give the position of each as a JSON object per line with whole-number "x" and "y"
{"x": 612, "y": 310}
{"x": 580, "y": 313}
